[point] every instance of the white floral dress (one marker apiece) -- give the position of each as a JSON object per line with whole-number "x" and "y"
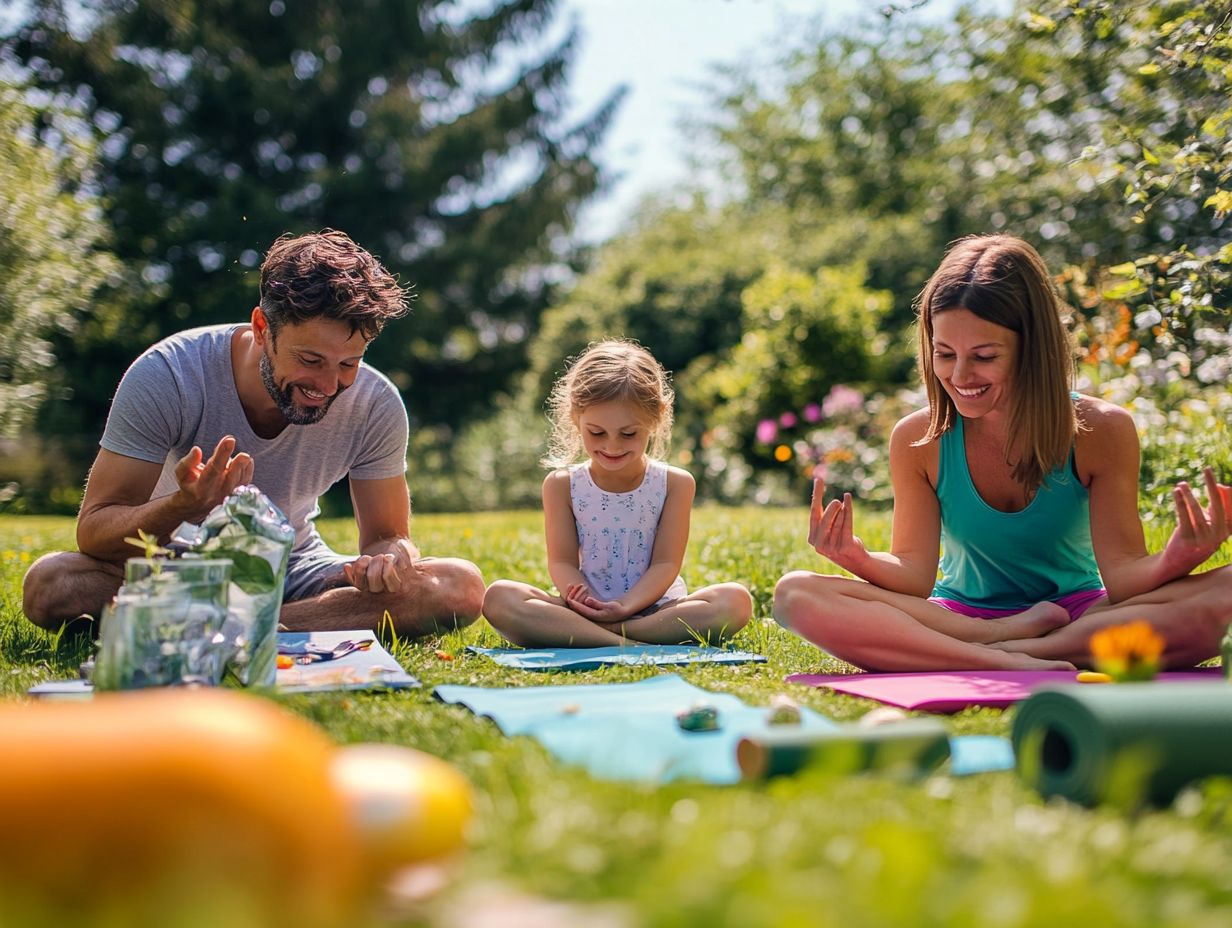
{"x": 616, "y": 531}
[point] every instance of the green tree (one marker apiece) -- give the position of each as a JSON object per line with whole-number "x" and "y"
{"x": 437, "y": 140}
{"x": 883, "y": 147}
{"x": 1159, "y": 93}
{"x": 744, "y": 334}
{"x": 804, "y": 333}
{"x": 52, "y": 255}
{"x": 674, "y": 284}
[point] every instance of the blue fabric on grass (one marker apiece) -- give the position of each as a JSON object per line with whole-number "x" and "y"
{"x": 593, "y": 658}
{"x": 626, "y": 731}
{"x": 980, "y": 754}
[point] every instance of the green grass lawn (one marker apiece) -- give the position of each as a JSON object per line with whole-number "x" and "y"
{"x": 808, "y": 850}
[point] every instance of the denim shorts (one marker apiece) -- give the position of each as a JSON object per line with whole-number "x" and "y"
{"x": 313, "y": 571}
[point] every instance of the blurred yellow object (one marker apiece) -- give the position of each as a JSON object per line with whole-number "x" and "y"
{"x": 134, "y": 806}
{"x": 1092, "y": 676}
{"x": 1128, "y": 652}
{"x": 409, "y": 806}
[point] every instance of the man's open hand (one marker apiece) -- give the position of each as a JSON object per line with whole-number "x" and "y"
{"x": 204, "y": 484}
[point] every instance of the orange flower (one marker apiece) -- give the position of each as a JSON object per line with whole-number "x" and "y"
{"x": 1127, "y": 652}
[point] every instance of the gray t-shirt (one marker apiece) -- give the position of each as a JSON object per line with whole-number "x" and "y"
{"x": 181, "y": 392}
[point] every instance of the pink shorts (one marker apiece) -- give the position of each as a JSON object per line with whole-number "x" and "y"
{"x": 1073, "y": 603}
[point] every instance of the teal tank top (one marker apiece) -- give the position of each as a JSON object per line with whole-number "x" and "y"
{"x": 1011, "y": 560}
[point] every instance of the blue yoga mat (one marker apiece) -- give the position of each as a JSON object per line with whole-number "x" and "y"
{"x": 625, "y": 731}
{"x": 633, "y": 655}
{"x": 628, "y": 731}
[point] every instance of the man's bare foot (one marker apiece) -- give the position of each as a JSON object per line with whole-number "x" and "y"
{"x": 1040, "y": 619}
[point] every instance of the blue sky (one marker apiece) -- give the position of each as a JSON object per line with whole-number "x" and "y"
{"x": 663, "y": 50}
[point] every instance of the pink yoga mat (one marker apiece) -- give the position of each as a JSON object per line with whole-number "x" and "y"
{"x": 955, "y": 690}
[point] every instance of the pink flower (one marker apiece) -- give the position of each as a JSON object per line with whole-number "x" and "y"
{"x": 812, "y": 413}
{"x": 788, "y": 420}
{"x": 767, "y": 431}
{"x": 841, "y": 399}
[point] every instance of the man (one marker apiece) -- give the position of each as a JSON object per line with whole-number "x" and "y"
{"x": 285, "y": 402}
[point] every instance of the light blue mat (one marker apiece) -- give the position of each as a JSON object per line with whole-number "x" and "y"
{"x": 628, "y": 731}
{"x": 625, "y": 731}
{"x": 632, "y": 655}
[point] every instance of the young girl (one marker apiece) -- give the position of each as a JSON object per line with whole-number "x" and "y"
{"x": 617, "y": 523}
{"x": 1031, "y": 490}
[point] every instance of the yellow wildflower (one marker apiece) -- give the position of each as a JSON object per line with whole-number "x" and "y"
{"x": 1127, "y": 652}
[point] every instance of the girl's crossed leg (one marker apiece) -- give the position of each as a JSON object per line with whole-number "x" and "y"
{"x": 533, "y": 618}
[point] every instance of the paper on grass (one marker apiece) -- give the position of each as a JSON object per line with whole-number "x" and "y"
{"x": 370, "y": 669}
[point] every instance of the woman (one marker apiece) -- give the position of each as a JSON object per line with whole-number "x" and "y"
{"x": 1030, "y": 489}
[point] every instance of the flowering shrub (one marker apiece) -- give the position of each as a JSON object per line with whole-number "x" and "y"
{"x": 1179, "y": 401}
{"x": 843, "y": 439}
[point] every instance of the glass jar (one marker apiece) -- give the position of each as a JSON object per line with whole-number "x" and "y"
{"x": 164, "y": 626}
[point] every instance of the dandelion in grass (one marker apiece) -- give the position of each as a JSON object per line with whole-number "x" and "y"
{"x": 1128, "y": 652}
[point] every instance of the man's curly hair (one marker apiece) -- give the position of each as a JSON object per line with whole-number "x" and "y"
{"x": 326, "y": 275}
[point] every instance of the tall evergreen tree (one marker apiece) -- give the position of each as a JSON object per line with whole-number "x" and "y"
{"x": 434, "y": 137}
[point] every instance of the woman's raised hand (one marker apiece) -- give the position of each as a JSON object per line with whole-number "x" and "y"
{"x": 1199, "y": 532}
{"x": 830, "y": 529}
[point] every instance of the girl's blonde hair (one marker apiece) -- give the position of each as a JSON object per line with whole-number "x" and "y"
{"x": 616, "y": 369}
{"x": 1003, "y": 280}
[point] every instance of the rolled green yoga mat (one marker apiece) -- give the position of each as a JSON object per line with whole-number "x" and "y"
{"x": 1123, "y": 742}
{"x": 910, "y": 747}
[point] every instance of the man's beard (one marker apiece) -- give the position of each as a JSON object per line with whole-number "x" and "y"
{"x": 294, "y": 413}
